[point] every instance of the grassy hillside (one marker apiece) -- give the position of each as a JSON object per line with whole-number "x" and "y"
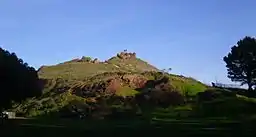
{"x": 86, "y": 82}
{"x": 59, "y": 93}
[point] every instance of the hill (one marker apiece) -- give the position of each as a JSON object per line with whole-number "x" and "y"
{"x": 86, "y": 66}
{"x": 94, "y": 88}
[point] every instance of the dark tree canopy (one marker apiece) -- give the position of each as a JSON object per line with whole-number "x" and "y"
{"x": 241, "y": 62}
{"x": 18, "y": 81}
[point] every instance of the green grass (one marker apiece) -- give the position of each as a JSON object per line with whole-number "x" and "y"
{"x": 46, "y": 105}
{"x": 183, "y": 84}
{"x": 75, "y": 70}
{"x": 126, "y": 91}
{"x": 248, "y": 99}
{"x": 80, "y": 70}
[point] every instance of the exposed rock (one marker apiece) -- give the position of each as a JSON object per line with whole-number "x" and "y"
{"x": 135, "y": 81}
{"x": 126, "y": 55}
{"x": 113, "y": 85}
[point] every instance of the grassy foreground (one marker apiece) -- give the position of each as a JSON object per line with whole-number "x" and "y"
{"x": 172, "y": 127}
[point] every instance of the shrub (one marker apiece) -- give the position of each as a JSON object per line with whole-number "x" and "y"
{"x": 161, "y": 98}
{"x": 212, "y": 94}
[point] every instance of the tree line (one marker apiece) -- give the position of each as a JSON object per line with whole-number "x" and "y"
{"x": 18, "y": 80}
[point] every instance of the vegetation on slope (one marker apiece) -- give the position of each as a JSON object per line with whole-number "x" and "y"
{"x": 87, "y": 82}
{"x": 59, "y": 92}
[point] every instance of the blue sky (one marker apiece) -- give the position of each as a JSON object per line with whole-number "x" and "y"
{"x": 190, "y": 36}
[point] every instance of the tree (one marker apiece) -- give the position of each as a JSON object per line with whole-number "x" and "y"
{"x": 18, "y": 81}
{"x": 168, "y": 70}
{"x": 86, "y": 59}
{"x": 241, "y": 62}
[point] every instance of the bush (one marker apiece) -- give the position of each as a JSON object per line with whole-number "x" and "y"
{"x": 160, "y": 98}
{"x": 212, "y": 94}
